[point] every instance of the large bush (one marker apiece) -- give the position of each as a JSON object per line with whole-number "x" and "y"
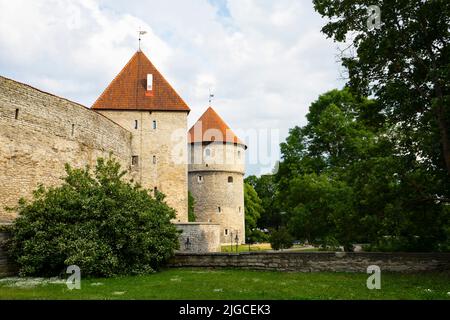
{"x": 281, "y": 239}
{"x": 95, "y": 220}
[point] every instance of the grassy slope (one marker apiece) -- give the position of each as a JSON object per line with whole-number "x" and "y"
{"x": 241, "y": 284}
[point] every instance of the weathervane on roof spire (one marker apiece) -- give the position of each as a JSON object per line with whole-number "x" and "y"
{"x": 141, "y": 33}
{"x": 211, "y": 96}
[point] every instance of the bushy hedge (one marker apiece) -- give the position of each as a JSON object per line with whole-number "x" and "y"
{"x": 281, "y": 239}
{"x": 95, "y": 220}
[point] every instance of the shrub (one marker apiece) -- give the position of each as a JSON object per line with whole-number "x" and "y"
{"x": 94, "y": 220}
{"x": 281, "y": 239}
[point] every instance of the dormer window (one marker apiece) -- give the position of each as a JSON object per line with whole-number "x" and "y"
{"x": 149, "y": 91}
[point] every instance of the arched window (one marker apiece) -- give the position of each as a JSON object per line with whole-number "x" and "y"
{"x": 200, "y": 179}
{"x": 230, "y": 179}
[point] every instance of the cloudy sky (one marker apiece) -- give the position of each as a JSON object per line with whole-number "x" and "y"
{"x": 265, "y": 60}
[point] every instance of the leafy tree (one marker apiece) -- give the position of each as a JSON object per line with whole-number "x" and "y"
{"x": 405, "y": 64}
{"x": 266, "y": 189}
{"x": 95, "y": 220}
{"x": 191, "y": 204}
{"x": 253, "y": 210}
{"x": 344, "y": 177}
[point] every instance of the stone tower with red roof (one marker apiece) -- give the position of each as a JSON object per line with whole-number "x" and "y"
{"x": 141, "y": 100}
{"x": 216, "y": 176}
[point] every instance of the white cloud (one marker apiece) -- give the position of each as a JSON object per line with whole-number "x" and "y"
{"x": 266, "y": 60}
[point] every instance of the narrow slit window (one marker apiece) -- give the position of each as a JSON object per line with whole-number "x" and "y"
{"x": 226, "y": 232}
{"x": 239, "y": 209}
{"x": 219, "y": 209}
{"x": 16, "y": 115}
{"x": 134, "y": 160}
{"x": 135, "y": 124}
{"x": 200, "y": 178}
{"x": 154, "y": 124}
{"x": 73, "y": 129}
{"x": 154, "y": 159}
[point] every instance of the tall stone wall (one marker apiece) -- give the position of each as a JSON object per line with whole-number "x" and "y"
{"x": 199, "y": 237}
{"x": 216, "y": 181}
{"x": 40, "y": 132}
{"x": 317, "y": 261}
{"x": 161, "y": 151}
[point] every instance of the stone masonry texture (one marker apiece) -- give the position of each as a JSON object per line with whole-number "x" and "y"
{"x": 216, "y": 181}
{"x": 40, "y": 132}
{"x": 199, "y": 237}
{"x": 317, "y": 261}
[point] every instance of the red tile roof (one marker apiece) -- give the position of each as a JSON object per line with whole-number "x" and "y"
{"x": 210, "y": 127}
{"x": 128, "y": 89}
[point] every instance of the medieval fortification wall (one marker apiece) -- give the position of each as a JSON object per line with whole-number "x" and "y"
{"x": 40, "y": 132}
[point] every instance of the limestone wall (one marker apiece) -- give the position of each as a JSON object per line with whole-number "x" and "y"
{"x": 199, "y": 237}
{"x": 317, "y": 261}
{"x": 216, "y": 157}
{"x": 48, "y": 132}
{"x": 162, "y": 152}
{"x": 217, "y": 198}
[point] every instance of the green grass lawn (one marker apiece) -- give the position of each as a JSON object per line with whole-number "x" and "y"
{"x": 236, "y": 284}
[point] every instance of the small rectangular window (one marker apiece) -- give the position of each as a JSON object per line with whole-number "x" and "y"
{"x": 154, "y": 124}
{"x": 226, "y": 232}
{"x": 135, "y": 124}
{"x": 134, "y": 160}
{"x": 200, "y": 178}
{"x": 230, "y": 179}
{"x": 16, "y": 116}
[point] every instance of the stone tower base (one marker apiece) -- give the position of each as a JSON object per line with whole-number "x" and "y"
{"x": 199, "y": 237}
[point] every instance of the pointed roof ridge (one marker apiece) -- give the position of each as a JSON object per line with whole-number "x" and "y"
{"x": 209, "y": 125}
{"x": 127, "y": 91}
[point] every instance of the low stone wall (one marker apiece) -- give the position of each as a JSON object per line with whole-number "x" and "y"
{"x": 317, "y": 261}
{"x": 199, "y": 237}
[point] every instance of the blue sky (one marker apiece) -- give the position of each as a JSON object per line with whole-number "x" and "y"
{"x": 265, "y": 60}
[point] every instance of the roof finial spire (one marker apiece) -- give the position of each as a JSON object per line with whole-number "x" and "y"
{"x": 211, "y": 96}
{"x": 141, "y": 32}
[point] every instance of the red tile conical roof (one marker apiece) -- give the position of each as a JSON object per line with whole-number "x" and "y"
{"x": 210, "y": 127}
{"x": 128, "y": 90}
